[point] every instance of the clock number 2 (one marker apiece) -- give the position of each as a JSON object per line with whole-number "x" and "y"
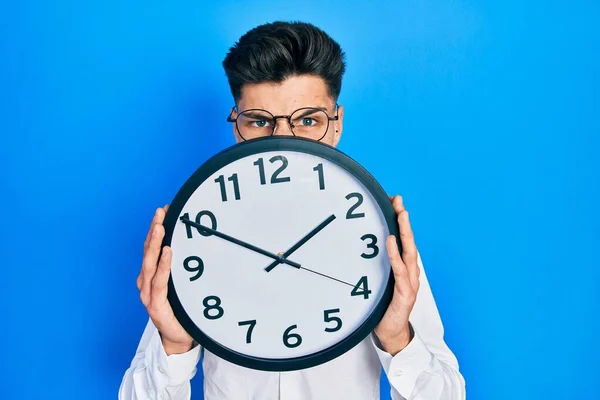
{"x": 359, "y": 200}
{"x": 372, "y": 245}
{"x": 287, "y": 336}
{"x": 199, "y": 268}
{"x": 215, "y": 306}
{"x": 213, "y": 222}
{"x": 361, "y": 288}
{"x": 275, "y": 177}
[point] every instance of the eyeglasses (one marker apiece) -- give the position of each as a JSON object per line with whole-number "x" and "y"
{"x": 308, "y": 122}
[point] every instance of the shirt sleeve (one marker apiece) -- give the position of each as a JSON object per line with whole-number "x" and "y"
{"x": 426, "y": 369}
{"x": 154, "y": 375}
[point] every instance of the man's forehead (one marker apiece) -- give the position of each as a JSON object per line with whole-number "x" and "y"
{"x": 284, "y": 97}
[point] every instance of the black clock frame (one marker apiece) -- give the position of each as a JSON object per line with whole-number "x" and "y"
{"x": 262, "y": 145}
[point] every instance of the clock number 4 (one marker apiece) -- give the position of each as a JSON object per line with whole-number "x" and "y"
{"x": 251, "y": 324}
{"x": 213, "y": 223}
{"x": 287, "y": 335}
{"x": 236, "y": 186}
{"x": 359, "y": 200}
{"x": 275, "y": 177}
{"x": 209, "y": 307}
{"x": 361, "y": 288}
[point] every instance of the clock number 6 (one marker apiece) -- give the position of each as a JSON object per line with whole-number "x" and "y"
{"x": 199, "y": 268}
{"x": 372, "y": 245}
{"x": 209, "y": 307}
{"x": 328, "y": 318}
{"x": 251, "y": 324}
{"x": 287, "y": 336}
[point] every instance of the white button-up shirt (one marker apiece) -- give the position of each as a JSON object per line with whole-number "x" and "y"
{"x": 426, "y": 369}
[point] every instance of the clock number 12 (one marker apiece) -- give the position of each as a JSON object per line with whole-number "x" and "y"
{"x": 275, "y": 177}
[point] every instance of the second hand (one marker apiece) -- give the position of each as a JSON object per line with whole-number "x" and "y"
{"x": 327, "y": 276}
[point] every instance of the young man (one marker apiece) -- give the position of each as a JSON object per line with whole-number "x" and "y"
{"x": 275, "y": 70}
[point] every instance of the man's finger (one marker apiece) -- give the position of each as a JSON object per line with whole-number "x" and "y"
{"x": 151, "y": 259}
{"x": 401, "y": 276}
{"x": 398, "y": 204}
{"x": 161, "y": 278}
{"x": 409, "y": 248}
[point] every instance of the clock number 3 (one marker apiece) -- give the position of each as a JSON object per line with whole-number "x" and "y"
{"x": 275, "y": 177}
{"x": 372, "y": 245}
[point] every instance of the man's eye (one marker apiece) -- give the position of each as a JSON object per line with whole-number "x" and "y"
{"x": 308, "y": 121}
{"x": 261, "y": 123}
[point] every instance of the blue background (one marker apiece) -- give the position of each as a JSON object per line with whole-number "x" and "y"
{"x": 483, "y": 115}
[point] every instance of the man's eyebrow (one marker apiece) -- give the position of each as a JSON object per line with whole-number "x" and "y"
{"x": 256, "y": 115}
{"x": 313, "y": 110}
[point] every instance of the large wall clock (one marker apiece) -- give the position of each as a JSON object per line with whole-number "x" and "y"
{"x": 279, "y": 260}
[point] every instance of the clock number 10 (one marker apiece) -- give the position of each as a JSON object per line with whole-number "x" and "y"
{"x": 211, "y": 216}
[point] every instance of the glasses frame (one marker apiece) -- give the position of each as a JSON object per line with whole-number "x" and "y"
{"x": 286, "y": 117}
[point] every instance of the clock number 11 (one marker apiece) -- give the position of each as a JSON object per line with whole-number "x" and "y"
{"x": 236, "y": 186}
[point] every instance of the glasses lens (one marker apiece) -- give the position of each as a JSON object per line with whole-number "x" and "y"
{"x": 311, "y": 123}
{"x": 255, "y": 123}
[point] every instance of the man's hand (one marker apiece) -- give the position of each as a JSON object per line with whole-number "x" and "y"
{"x": 393, "y": 331}
{"x": 152, "y": 284}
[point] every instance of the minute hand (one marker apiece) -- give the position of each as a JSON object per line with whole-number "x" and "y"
{"x": 302, "y": 241}
{"x": 280, "y": 259}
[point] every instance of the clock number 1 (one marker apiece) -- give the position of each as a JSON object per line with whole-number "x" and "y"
{"x": 236, "y": 186}
{"x": 319, "y": 169}
{"x": 361, "y": 288}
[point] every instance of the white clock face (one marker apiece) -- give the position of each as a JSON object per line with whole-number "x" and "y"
{"x": 272, "y": 200}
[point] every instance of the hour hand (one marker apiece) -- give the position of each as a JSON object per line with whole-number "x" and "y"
{"x": 301, "y": 242}
{"x": 278, "y": 258}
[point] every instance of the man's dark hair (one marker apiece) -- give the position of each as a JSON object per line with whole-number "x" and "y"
{"x": 275, "y": 51}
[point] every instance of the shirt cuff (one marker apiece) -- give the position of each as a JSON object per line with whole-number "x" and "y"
{"x": 170, "y": 370}
{"x": 404, "y": 368}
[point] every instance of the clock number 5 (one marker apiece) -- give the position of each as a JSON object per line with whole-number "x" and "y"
{"x": 359, "y": 200}
{"x": 251, "y": 324}
{"x": 275, "y": 177}
{"x": 328, "y": 318}
{"x": 372, "y": 245}
{"x": 287, "y": 336}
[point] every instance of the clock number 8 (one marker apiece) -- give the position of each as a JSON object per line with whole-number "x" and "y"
{"x": 199, "y": 268}
{"x": 209, "y": 307}
{"x": 287, "y": 336}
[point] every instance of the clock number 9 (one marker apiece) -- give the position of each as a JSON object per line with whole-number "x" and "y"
{"x": 209, "y": 307}
{"x": 213, "y": 223}
{"x": 372, "y": 245}
{"x": 287, "y": 336}
{"x": 328, "y": 318}
{"x": 359, "y": 200}
{"x": 199, "y": 268}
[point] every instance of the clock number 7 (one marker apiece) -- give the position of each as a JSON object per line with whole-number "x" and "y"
{"x": 251, "y": 324}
